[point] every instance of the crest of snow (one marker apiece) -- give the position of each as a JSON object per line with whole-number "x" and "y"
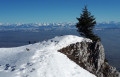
{"x": 41, "y": 60}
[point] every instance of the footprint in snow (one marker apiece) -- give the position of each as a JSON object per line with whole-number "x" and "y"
{"x": 7, "y": 66}
{"x": 33, "y": 69}
{"x": 13, "y": 68}
{"x": 29, "y": 64}
{"x": 22, "y": 69}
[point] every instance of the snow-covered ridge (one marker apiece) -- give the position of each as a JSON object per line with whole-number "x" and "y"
{"x": 41, "y": 60}
{"x": 54, "y": 24}
{"x": 37, "y": 27}
{"x": 38, "y": 24}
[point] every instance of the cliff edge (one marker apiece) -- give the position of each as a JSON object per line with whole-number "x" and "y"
{"x": 90, "y": 56}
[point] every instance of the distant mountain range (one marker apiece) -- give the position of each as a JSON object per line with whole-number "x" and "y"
{"x": 36, "y": 27}
{"x": 111, "y": 24}
{"x": 44, "y": 26}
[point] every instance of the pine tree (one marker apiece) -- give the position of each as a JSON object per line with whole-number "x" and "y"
{"x": 86, "y": 25}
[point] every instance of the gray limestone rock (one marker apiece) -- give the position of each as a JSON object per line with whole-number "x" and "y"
{"x": 90, "y": 56}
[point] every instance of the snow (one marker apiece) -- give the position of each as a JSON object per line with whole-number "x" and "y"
{"x": 41, "y": 60}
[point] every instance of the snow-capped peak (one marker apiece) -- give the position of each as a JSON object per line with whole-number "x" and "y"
{"x": 41, "y": 60}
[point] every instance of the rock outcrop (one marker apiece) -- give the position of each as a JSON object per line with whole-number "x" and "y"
{"x": 90, "y": 56}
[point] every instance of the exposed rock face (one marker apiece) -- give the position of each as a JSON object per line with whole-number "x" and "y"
{"x": 91, "y": 57}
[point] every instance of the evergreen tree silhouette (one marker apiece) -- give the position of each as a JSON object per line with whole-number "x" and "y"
{"x": 86, "y": 25}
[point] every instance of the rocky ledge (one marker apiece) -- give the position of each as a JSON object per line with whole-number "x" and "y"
{"x": 90, "y": 56}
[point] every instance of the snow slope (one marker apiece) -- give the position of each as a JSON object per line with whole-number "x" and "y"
{"x": 41, "y": 60}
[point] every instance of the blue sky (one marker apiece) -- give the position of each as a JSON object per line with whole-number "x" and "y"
{"x": 48, "y": 11}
